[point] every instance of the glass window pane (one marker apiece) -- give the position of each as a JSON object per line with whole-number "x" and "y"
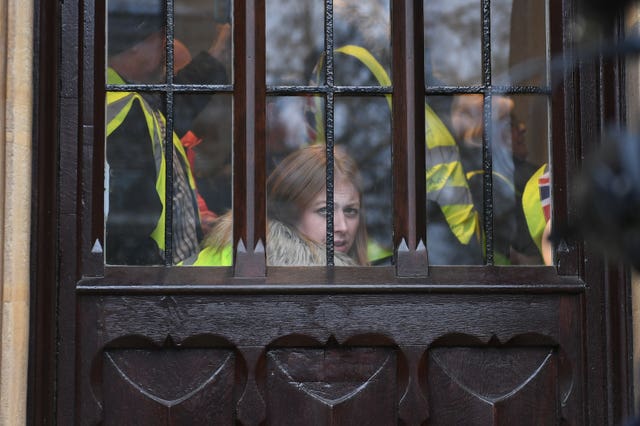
{"x": 454, "y": 148}
{"x": 521, "y": 178}
{"x": 204, "y": 125}
{"x": 138, "y": 24}
{"x": 363, "y": 128}
{"x": 208, "y": 145}
{"x": 133, "y": 205}
{"x": 366, "y": 26}
{"x": 294, "y": 40}
{"x": 202, "y": 50}
{"x": 452, "y": 35}
{"x": 521, "y": 182}
{"x": 296, "y": 197}
{"x": 137, "y": 181}
{"x": 519, "y": 47}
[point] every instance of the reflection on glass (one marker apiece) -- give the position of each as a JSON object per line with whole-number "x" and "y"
{"x": 363, "y": 127}
{"x": 134, "y": 205}
{"x": 141, "y": 25}
{"x": 203, "y": 123}
{"x": 203, "y": 41}
{"x": 294, "y": 40}
{"x": 365, "y": 25}
{"x": 521, "y": 180}
{"x": 452, "y": 35}
{"x": 136, "y": 179}
{"x": 454, "y": 144}
{"x": 521, "y": 188}
{"x": 519, "y": 42}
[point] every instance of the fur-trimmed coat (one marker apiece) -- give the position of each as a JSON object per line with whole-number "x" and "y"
{"x": 286, "y": 247}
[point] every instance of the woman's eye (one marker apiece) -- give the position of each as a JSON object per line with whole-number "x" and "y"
{"x": 322, "y": 211}
{"x": 351, "y": 212}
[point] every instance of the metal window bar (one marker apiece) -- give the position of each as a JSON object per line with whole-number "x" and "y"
{"x": 487, "y": 160}
{"x": 329, "y": 122}
{"x": 168, "y": 90}
{"x": 168, "y": 144}
{"x": 328, "y": 90}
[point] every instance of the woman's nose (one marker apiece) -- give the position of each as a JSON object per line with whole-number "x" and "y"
{"x": 339, "y": 222}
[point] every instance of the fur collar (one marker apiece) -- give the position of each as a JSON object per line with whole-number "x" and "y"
{"x": 286, "y": 247}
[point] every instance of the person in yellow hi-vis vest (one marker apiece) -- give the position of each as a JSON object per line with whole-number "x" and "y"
{"x": 512, "y": 243}
{"x": 536, "y": 205}
{"x": 453, "y": 229}
{"x": 135, "y": 168}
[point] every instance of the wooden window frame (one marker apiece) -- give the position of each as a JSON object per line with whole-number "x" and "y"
{"x": 67, "y": 170}
{"x": 249, "y": 152}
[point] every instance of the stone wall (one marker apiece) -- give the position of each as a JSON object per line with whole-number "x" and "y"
{"x": 16, "y": 88}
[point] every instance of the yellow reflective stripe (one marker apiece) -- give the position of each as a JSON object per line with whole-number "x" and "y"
{"x": 118, "y": 119}
{"x": 463, "y": 221}
{"x": 500, "y": 176}
{"x": 113, "y": 77}
{"x": 367, "y": 58}
{"x": 437, "y": 132}
{"x": 443, "y": 174}
{"x": 376, "y": 251}
{"x": 437, "y": 135}
{"x": 500, "y": 259}
{"x": 180, "y": 148}
{"x": 212, "y": 256}
{"x": 153, "y": 127}
{"x": 158, "y": 233}
{"x": 532, "y": 207}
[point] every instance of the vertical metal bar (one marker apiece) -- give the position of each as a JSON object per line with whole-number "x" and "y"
{"x": 168, "y": 147}
{"x": 329, "y": 133}
{"x": 487, "y": 159}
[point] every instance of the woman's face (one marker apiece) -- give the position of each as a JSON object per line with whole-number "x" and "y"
{"x": 346, "y": 216}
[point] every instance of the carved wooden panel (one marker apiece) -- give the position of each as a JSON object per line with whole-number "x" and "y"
{"x": 168, "y": 386}
{"x": 332, "y": 386}
{"x": 493, "y": 386}
{"x": 416, "y": 359}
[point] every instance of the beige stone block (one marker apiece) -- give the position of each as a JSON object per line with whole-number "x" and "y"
{"x": 13, "y": 370}
{"x": 16, "y": 87}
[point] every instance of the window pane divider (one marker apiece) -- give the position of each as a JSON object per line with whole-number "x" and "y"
{"x": 329, "y": 130}
{"x": 168, "y": 142}
{"x": 176, "y": 88}
{"x": 408, "y": 140}
{"x": 249, "y": 207}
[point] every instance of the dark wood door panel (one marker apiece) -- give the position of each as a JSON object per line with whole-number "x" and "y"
{"x": 329, "y": 359}
{"x": 171, "y": 386}
{"x": 331, "y": 386}
{"x": 257, "y": 320}
{"x": 492, "y": 385}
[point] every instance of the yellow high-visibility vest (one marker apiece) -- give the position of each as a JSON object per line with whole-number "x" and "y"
{"x": 532, "y": 207}
{"x": 446, "y": 181}
{"x": 118, "y": 106}
{"x": 211, "y": 256}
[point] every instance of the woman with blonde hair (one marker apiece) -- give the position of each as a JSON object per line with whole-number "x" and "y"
{"x": 297, "y": 211}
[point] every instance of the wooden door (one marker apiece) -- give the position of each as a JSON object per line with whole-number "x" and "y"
{"x": 409, "y": 343}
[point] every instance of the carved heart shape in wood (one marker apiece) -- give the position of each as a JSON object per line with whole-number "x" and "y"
{"x": 330, "y": 376}
{"x": 169, "y": 376}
